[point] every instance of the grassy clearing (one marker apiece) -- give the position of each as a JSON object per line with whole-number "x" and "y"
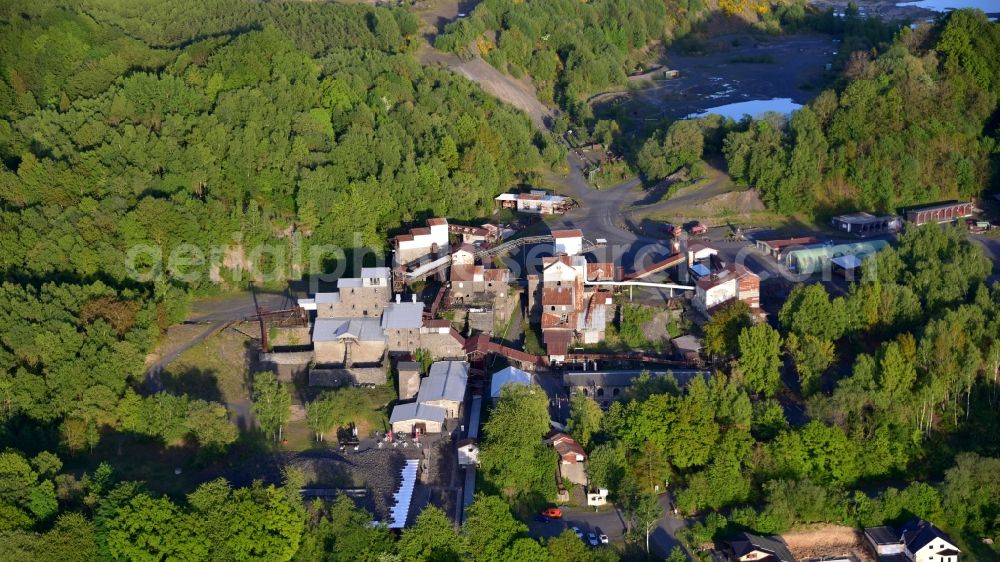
{"x": 215, "y": 369}
{"x": 174, "y": 338}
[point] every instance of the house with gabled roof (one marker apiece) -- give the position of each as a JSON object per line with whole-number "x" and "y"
{"x": 731, "y": 283}
{"x": 508, "y": 375}
{"x": 747, "y": 547}
{"x": 572, "y": 457}
{"x": 916, "y": 541}
{"x": 413, "y": 417}
{"x": 348, "y": 341}
{"x": 445, "y": 386}
{"x": 421, "y": 243}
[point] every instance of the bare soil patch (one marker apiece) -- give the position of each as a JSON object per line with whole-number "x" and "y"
{"x": 739, "y": 201}
{"x": 824, "y": 541}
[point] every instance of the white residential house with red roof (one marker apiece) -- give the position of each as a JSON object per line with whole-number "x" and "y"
{"x": 572, "y": 457}
{"x": 569, "y": 242}
{"x": 733, "y": 282}
{"x": 420, "y": 243}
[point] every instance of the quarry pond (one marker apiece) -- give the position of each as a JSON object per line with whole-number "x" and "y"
{"x": 733, "y": 75}
{"x": 753, "y": 108}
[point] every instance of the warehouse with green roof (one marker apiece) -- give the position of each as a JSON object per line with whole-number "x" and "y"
{"x": 816, "y": 258}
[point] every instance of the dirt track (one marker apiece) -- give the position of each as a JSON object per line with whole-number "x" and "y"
{"x": 518, "y": 93}
{"x": 435, "y": 15}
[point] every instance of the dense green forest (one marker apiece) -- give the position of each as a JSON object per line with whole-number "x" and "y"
{"x": 231, "y": 124}
{"x": 570, "y": 49}
{"x": 254, "y": 124}
{"x": 260, "y": 522}
{"x": 224, "y": 124}
{"x": 260, "y": 123}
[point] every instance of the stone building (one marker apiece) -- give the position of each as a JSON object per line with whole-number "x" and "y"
{"x": 408, "y": 375}
{"x": 466, "y": 281}
{"x": 567, "y": 308}
{"x": 443, "y": 341}
{"x": 413, "y": 417}
{"x": 401, "y": 324}
{"x": 366, "y": 295}
{"x": 348, "y": 341}
{"x": 445, "y": 386}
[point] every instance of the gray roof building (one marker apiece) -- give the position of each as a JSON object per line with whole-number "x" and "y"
{"x": 446, "y": 381}
{"x": 407, "y": 366}
{"x": 327, "y": 298}
{"x": 883, "y": 535}
{"x": 403, "y": 315}
{"x": 375, "y": 273}
{"x": 417, "y": 411}
{"x": 361, "y": 329}
{"x": 348, "y": 283}
{"x": 509, "y": 375}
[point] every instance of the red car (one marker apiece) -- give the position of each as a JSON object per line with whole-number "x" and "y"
{"x": 552, "y": 513}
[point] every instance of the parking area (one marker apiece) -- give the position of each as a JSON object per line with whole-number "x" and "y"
{"x": 608, "y": 522}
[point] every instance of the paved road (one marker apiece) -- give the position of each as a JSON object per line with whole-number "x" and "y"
{"x": 664, "y": 537}
{"x": 718, "y": 182}
{"x": 238, "y": 306}
{"x": 600, "y": 215}
{"x": 991, "y": 247}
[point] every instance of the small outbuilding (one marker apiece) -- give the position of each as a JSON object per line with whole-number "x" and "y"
{"x": 778, "y": 248}
{"x": 867, "y": 224}
{"x": 572, "y": 457}
{"x": 413, "y": 417}
{"x": 698, "y": 251}
{"x": 569, "y": 242}
{"x": 409, "y": 379}
{"x": 468, "y": 452}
